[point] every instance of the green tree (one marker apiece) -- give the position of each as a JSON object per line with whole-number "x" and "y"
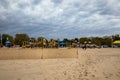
{"x": 67, "y": 41}
{"x": 21, "y": 38}
{"x": 52, "y": 43}
{"x": 5, "y": 37}
{"x": 116, "y": 37}
{"x": 43, "y": 42}
{"x": 97, "y": 41}
{"x": 40, "y": 39}
{"x": 84, "y": 39}
{"x": 107, "y": 41}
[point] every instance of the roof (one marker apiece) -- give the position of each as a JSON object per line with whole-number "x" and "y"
{"x": 116, "y": 42}
{"x": 7, "y": 42}
{"x": 62, "y": 43}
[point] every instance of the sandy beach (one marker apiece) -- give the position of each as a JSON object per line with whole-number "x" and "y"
{"x": 60, "y": 64}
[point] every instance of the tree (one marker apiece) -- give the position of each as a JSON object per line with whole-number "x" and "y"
{"x": 5, "y": 37}
{"x": 107, "y": 41}
{"x": 42, "y": 42}
{"x": 52, "y": 43}
{"x": 97, "y": 41}
{"x": 67, "y": 41}
{"x": 115, "y": 37}
{"x": 40, "y": 39}
{"x": 21, "y": 38}
{"x": 84, "y": 39}
{"x": 76, "y": 39}
{"x": 32, "y": 39}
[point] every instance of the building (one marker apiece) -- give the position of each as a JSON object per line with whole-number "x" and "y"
{"x": 62, "y": 44}
{"x": 8, "y": 44}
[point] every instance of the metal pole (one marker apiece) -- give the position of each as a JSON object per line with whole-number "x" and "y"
{"x": 111, "y": 42}
{"x": 77, "y": 52}
{"x": 77, "y": 47}
{"x": 42, "y": 49}
{"x": 1, "y": 38}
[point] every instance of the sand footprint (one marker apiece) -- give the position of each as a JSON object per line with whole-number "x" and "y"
{"x": 84, "y": 79}
{"x": 93, "y": 75}
{"x": 19, "y": 79}
{"x": 108, "y": 75}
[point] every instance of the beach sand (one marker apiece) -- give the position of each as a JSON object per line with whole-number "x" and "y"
{"x": 73, "y": 64}
{"x": 36, "y": 53}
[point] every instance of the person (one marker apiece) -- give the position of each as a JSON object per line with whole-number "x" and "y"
{"x": 84, "y": 47}
{"x": 31, "y": 45}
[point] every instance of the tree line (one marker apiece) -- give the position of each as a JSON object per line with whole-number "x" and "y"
{"x": 24, "y": 39}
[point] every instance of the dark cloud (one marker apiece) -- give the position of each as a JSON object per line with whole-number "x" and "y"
{"x": 4, "y": 3}
{"x": 57, "y": 1}
{"x": 35, "y": 2}
{"x": 23, "y": 5}
{"x": 67, "y": 19}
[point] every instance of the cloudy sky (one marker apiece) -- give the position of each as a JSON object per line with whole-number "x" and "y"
{"x": 60, "y": 18}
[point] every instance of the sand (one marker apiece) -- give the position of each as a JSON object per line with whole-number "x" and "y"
{"x": 90, "y": 64}
{"x": 36, "y": 53}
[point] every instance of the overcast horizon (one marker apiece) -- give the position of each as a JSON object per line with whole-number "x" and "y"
{"x": 60, "y": 18}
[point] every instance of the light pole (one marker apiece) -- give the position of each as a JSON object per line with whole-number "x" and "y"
{"x": 1, "y": 39}
{"x": 77, "y": 49}
{"x": 85, "y": 45}
{"x": 111, "y": 42}
{"x": 58, "y": 42}
{"x": 42, "y": 45}
{"x": 42, "y": 49}
{"x": 76, "y": 43}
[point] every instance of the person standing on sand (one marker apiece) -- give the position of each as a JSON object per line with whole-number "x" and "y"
{"x": 84, "y": 47}
{"x": 31, "y": 44}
